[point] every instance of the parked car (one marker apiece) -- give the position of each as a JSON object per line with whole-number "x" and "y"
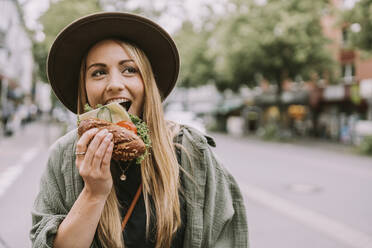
{"x": 363, "y": 128}
{"x": 187, "y": 118}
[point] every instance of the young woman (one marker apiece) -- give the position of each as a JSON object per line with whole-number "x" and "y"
{"x": 186, "y": 198}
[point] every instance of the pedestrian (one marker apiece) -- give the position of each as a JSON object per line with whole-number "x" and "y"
{"x": 186, "y": 198}
{"x": 7, "y": 118}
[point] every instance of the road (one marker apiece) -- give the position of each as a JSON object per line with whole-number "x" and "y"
{"x": 23, "y": 158}
{"x": 296, "y": 195}
{"x": 313, "y": 195}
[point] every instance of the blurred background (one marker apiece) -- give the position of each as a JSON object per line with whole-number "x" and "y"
{"x": 284, "y": 87}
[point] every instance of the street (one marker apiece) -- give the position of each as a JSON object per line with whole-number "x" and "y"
{"x": 297, "y": 195}
{"x": 301, "y": 195}
{"x": 23, "y": 158}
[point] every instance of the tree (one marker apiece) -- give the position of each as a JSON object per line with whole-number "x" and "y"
{"x": 40, "y": 54}
{"x": 148, "y": 8}
{"x": 359, "y": 19}
{"x": 197, "y": 44}
{"x": 279, "y": 40}
{"x": 276, "y": 40}
{"x": 196, "y": 63}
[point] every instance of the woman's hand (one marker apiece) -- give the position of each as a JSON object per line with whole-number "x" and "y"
{"x": 93, "y": 155}
{"x": 94, "y": 165}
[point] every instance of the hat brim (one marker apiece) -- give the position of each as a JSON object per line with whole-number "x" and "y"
{"x": 73, "y": 42}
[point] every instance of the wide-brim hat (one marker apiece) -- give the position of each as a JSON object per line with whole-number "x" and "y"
{"x": 74, "y": 41}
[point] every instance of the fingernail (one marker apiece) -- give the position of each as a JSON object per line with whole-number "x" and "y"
{"x": 109, "y": 136}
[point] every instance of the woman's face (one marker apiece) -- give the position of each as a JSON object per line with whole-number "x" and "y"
{"x": 112, "y": 76}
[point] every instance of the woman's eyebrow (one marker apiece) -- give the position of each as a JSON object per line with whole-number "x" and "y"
{"x": 104, "y": 65}
{"x": 96, "y": 64}
{"x": 125, "y": 61}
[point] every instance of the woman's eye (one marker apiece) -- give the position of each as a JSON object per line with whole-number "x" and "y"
{"x": 98, "y": 73}
{"x": 130, "y": 70}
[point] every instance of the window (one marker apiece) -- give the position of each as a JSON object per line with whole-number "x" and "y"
{"x": 348, "y": 72}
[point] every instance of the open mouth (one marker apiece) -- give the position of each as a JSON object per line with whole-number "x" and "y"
{"x": 122, "y": 101}
{"x": 126, "y": 104}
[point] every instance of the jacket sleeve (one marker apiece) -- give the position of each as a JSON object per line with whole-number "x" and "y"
{"x": 216, "y": 212}
{"x": 49, "y": 209}
{"x": 225, "y": 222}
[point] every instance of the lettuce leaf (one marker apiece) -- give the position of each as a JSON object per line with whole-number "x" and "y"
{"x": 144, "y": 133}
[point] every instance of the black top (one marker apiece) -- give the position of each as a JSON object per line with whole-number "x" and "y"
{"x": 135, "y": 231}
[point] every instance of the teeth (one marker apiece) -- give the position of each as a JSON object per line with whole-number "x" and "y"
{"x": 118, "y": 100}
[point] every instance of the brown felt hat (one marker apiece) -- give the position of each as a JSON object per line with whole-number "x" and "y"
{"x": 74, "y": 41}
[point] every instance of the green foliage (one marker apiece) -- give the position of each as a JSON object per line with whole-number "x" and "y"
{"x": 146, "y": 8}
{"x": 196, "y": 63}
{"x": 63, "y": 12}
{"x": 365, "y": 146}
{"x": 361, "y": 14}
{"x": 87, "y": 108}
{"x": 236, "y": 52}
{"x": 278, "y": 40}
{"x": 269, "y": 132}
{"x": 144, "y": 133}
{"x": 40, "y": 53}
{"x": 273, "y": 132}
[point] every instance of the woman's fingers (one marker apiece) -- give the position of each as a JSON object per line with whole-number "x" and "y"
{"x": 105, "y": 168}
{"x": 84, "y": 140}
{"x": 82, "y": 145}
{"x": 93, "y": 146}
{"x": 100, "y": 153}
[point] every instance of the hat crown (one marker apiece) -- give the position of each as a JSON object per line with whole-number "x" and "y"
{"x": 74, "y": 41}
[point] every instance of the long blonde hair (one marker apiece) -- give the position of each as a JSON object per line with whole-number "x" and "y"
{"x": 160, "y": 170}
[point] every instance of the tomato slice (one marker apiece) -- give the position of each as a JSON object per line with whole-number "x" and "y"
{"x": 128, "y": 125}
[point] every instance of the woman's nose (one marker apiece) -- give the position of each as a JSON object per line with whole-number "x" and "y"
{"x": 116, "y": 82}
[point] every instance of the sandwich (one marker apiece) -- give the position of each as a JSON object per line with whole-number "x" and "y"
{"x": 130, "y": 134}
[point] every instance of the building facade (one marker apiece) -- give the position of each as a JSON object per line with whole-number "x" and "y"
{"x": 16, "y": 60}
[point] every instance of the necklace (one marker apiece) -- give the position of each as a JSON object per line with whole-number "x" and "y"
{"x": 123, "y": 177}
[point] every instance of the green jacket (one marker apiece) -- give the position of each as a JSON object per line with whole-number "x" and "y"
{"x": 215, "y": 209}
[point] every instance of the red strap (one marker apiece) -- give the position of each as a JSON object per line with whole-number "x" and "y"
{"x": 132, "y": 205}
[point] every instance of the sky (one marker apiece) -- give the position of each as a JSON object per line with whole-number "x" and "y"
{"x": 348, "y": 4}
{"x": 33, "y": 9}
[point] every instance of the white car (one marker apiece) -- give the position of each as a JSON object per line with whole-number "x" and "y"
{"x": 187, "y": 118}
